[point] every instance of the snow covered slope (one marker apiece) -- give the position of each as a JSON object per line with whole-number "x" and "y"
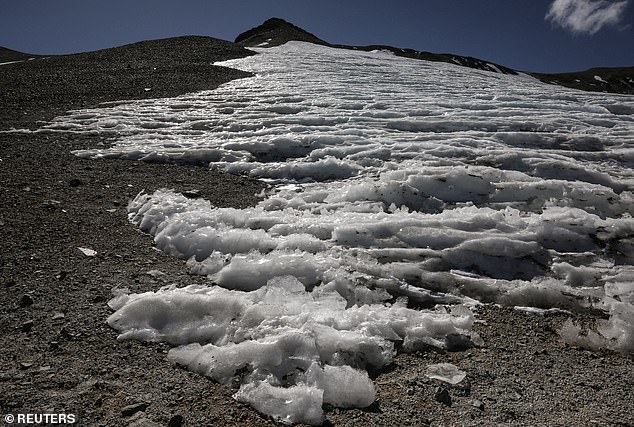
{"x": 392, "y": 178}
{"x": 276, "y": 31}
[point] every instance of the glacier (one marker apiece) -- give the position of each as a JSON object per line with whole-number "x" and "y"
{"x": 402, "y": 194}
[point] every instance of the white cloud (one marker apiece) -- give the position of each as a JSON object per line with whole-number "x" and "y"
{"x": 586, "y": 16}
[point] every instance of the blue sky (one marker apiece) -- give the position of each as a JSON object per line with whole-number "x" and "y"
{"x": 579, "y": 33}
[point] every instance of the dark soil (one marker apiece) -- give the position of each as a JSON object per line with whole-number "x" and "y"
{"x": 59, "y": 356}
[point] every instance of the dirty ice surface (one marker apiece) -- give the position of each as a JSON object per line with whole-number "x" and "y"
{"x": 391, "y": 178}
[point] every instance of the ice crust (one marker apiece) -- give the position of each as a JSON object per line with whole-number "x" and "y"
{"x": 391, "y": 178}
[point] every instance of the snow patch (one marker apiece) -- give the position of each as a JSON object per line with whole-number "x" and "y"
{"x": 599, "y": 79}
{"x": 88, "y": 252}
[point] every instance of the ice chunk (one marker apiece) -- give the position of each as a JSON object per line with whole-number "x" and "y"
{"x": 343, "y": 386}
{"x": 292, "y": 405}
{"x": 616, "y": 333}
{"x": 252, "y": 271}
{"x": 445, "y": 372}
{"x": 176, "y": 317}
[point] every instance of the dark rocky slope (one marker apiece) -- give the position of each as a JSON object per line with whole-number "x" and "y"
{"x": 9, "y": 55}
{"x": 614, "y": 80}
{"x": 35, "y": 91}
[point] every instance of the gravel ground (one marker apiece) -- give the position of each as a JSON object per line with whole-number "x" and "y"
{"x": 59, "y": 356}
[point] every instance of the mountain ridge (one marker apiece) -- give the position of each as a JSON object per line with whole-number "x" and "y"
{"x": 277, "y": 31}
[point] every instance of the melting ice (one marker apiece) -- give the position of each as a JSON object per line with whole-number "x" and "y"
{"x": 392, "y": 178}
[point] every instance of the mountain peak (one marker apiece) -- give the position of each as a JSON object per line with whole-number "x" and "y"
{"x": 275, "y": 32}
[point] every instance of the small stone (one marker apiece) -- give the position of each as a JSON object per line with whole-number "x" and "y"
{"x": 26, "y": 300}
{"x": 61, "y": 275}
{"x": 27, "y": 326}
{"x": 442, "y": 396}
{"x": 191, "y": 194}
{"x": 25, "y": 365}
{"x": 458, "y": 342}
{"x": 514, "y": 396}
{"x": 58, "y": 315}
{"x": 51, "y": 204}
{"x": 133, "y": 409}
{"x": 175, "y": 421}
{"x": 478, "y": 404}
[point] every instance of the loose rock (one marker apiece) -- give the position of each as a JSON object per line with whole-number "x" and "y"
{"x": 175, "y": 421}
{"x": 478, "y": 404}
{"x": 26, "y": 300}
{"x": 192, "y": 194}
{"x": 133, "y": 409}
{"x": 442, "y": 396}
{"x": 27, "y": 326}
